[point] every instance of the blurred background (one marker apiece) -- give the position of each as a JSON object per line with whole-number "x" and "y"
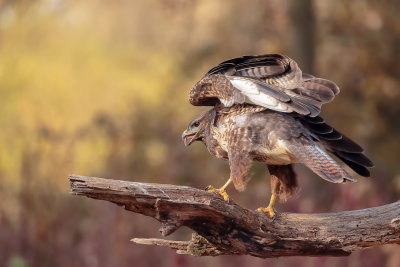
{"x": 100, "y": 88}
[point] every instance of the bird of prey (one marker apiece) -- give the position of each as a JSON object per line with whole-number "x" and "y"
{"x": 266, "y": 109}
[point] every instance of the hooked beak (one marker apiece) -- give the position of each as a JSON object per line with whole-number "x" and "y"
{"x": 188, "y": 138}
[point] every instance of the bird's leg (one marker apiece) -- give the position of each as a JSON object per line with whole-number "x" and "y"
{"x": 283, "y": 184}
{"x": 221, "y": 191}
{"x": 270, "y": 209}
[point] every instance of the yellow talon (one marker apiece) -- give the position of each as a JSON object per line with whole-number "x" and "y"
{"x": 220, "y": 191}
{"x": 270, "y": 209}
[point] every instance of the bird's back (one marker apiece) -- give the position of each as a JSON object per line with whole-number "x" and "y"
{"x": 276, "y": 138}
{"x": 258, "y": 131}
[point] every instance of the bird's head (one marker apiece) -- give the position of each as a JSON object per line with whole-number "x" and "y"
{"x": 197, "y": 128}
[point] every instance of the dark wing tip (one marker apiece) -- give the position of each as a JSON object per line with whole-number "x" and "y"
{"x": 231, "y": 65}
{"x": 358, "y": 168}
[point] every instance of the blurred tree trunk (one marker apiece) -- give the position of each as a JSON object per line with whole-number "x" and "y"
{"x": 302, "y": 35}
{"x": 26, "y": 204}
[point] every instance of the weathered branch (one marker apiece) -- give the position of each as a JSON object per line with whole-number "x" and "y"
{"x": 224, "y": 228}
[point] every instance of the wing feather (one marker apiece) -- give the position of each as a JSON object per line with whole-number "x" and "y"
{"x": 340, "y": 145}
{"x": 241, "y": 83}
{"x": 360, "y": 169}
{"x": 334, "y": 135}
{"x": 358, "y": 158}
{"x": 320, "y": 162}
{"x": 273, "y": 81}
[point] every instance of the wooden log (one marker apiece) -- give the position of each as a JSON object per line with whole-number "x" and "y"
{"x": 228, "y": 229}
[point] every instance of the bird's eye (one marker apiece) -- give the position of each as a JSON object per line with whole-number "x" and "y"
{"x": 196, "y": 124}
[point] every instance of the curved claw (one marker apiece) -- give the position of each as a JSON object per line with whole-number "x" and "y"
{"x": 270, "y": 210}
{"x": 220, "y": 192}
{"x": 273, "y": 218}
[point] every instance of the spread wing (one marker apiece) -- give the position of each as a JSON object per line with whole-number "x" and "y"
{"x": 272, "y": 81}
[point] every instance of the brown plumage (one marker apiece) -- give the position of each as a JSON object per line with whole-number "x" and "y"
{"x": 271, "y": 81}
{"x": 266, "y": 110}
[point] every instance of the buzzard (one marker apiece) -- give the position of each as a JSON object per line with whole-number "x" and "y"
{"x": 265, "y": 109}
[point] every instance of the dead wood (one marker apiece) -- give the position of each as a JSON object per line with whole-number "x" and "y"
{"x": 229, "y": 229}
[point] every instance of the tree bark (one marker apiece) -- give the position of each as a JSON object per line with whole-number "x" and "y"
{"x": 228, "y": 229}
